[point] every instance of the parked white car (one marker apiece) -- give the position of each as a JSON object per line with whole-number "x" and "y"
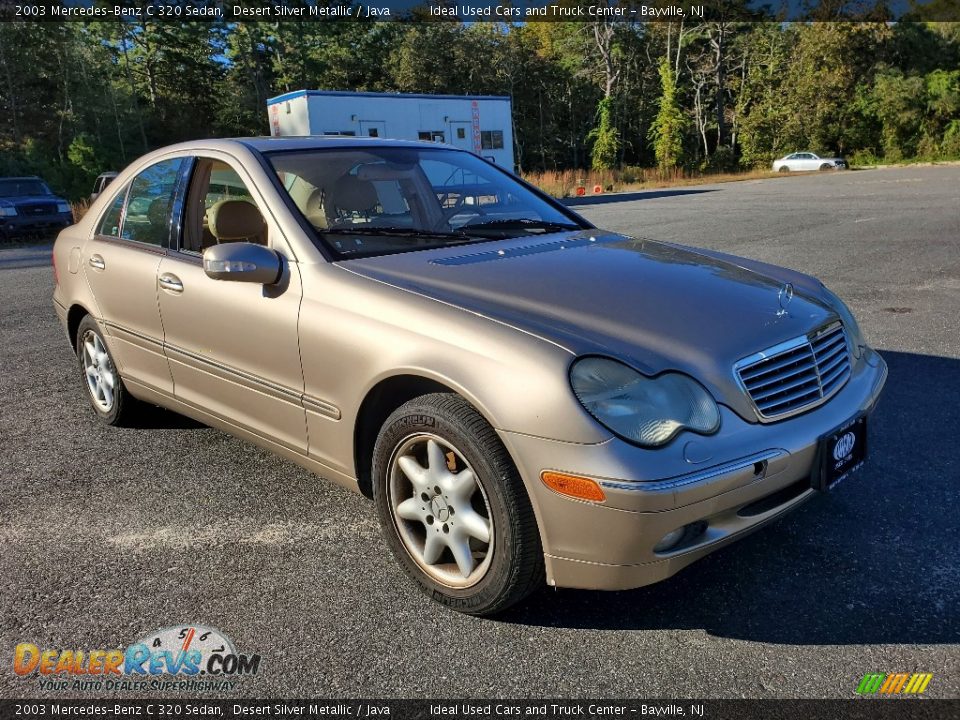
{"x": 806, "y": 161}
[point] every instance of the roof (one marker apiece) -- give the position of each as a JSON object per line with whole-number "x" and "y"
{"x": 394, "y": 96}
{"x": 312, "y": 142}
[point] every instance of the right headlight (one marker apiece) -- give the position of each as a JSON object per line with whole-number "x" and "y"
{"x": 8, "y": 210}
{"x": 648, "y": 411}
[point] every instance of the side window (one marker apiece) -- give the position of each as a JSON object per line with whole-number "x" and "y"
{"x": 146, "y": 217}
{"x": 110, "y": 225}
{"x": 220, "y": 209}
{"x": 491, "y": 139}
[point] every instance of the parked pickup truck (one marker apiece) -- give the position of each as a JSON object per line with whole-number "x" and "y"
{"x": 28, "y": 207}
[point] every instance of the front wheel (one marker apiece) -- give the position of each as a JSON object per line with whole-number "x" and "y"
{"x": 453, "y": 508}
{"x": 825, "y": 167}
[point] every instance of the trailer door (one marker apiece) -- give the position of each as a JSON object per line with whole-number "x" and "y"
{"x": 373, "y": 128}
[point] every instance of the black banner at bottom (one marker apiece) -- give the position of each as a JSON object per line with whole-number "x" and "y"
{"x": 855, "y": 709}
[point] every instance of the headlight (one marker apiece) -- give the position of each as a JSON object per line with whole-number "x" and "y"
{"x": 848, "y": 320}
{"x": 63, "y": 207}
{"x": 647, "y": 411}
{"x": 7, "y": 211}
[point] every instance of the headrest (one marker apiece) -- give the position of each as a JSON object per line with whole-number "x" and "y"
{"x": 234, "y": 220}
{"x": 352, "y": 194}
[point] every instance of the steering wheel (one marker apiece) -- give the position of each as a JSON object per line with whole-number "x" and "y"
{"x": 459, "y": 207}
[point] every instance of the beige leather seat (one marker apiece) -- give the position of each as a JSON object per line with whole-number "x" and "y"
{"x": 236, "y": 221}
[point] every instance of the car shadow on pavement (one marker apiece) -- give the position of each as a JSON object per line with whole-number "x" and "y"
{"x": 627, "y": 197}
{"x": 877, "y": 560}
{"x": 151, "y": 417}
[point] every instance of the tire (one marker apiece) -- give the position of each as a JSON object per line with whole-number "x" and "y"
{"x": 825, "y": 167}
{"x": 784, "y": 169}
{"x": 439, "y": 442}
{"x": 113, "y": 404}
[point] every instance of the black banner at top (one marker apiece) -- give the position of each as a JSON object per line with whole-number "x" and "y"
{"x": 502, "y": 11}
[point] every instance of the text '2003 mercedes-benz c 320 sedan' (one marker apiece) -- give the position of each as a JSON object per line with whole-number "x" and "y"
{"x": 526, "y": 398}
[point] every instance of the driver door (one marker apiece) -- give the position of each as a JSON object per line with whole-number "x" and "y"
{"x": 232, "y": 346}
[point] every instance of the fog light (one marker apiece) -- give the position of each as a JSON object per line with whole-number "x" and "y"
{"x": 685, "y": 537}
{"x": 669, "y": 540}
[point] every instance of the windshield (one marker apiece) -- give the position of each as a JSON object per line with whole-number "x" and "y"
{"x": 380, "y": 200}
{"x": 22, "y": 187}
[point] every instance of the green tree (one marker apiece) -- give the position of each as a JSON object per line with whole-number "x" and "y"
{"x": 606, "y": 138}
{"x": 670, "y": 124}
{"x": 900, "y": 104}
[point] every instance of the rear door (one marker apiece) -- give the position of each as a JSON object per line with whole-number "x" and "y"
{"x": 120, "y": 264}
{"x": 232, "y": 346}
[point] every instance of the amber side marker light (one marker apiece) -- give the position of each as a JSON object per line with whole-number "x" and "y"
{"x": 573, "y": 486}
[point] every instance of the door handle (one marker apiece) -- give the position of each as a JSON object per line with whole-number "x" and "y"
{"x": 97, "y": 263}
{"x": 169, "y": 281}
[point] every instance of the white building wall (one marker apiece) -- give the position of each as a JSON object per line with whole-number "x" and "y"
{"x": 480, "y": 124}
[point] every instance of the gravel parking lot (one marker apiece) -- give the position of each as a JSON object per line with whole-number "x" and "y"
{"x": 106, "y": 534}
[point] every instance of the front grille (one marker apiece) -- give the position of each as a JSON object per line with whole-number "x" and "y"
{"x": 28, "y": 209}
{"x": 796, "y": 375}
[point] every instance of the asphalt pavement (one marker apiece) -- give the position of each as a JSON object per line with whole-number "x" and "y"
{"x": 107, "y": 534}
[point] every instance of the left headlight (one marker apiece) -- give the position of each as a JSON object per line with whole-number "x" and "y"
{"x": 7, "y": 210}
{"x": 644, "y": 410}
{"x": 63, "y": 207}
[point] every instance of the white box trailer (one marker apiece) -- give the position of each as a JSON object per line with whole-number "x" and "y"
{"x": 479, "y": 123}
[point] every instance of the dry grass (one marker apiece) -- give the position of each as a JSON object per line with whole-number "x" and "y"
{"x": 79, "y": 208}
{"x": 564, "y": 183}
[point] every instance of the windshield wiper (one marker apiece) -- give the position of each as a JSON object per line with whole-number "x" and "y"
{"x": 525, "y": 223}
{"x": 394, "y": 231}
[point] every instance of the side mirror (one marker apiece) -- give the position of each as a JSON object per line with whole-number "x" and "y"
{"x": 242, "y": 262}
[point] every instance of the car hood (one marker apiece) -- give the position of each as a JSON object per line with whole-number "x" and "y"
{"x": 30, "y": 199}
{"x": 654, "y": 305}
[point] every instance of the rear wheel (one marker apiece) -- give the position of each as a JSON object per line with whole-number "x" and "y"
{"x": 784, "y": 169}
{"x": 108, "y": 395}
{"x": 453, "y": 508}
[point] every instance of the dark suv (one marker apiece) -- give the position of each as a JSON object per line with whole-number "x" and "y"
{"x": 28, "y": 207}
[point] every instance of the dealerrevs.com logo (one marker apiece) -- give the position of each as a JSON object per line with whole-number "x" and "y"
{"x": 181, "y": 657}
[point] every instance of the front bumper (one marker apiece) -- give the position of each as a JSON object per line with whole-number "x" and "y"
{"x": 26, "y": 225}
{"x": 726, "y": 486}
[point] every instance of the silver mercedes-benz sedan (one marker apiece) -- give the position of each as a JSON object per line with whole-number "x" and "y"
{"x": 807, "y": 162}
{"x": 526, "y": 398}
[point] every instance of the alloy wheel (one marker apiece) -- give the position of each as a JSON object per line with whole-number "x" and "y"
{"x": 99, "y": 371}
{"x": 440, "y": 510}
